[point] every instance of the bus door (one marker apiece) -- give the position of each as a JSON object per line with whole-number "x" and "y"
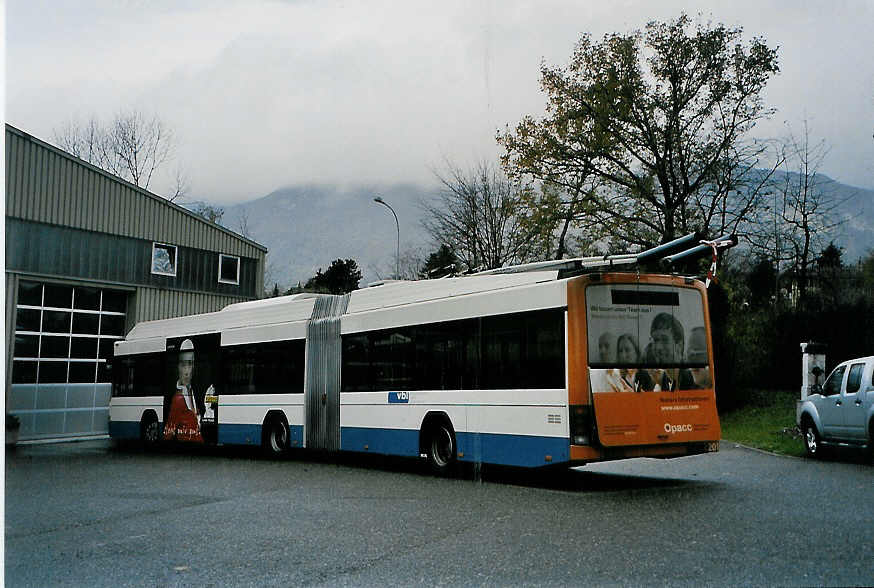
{"x": 322, "y": 388}
{"x": 209, "y": 420}
{"x": 648, "y": 367}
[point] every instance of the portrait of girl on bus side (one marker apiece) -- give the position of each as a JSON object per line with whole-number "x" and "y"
{"x": 183, "y": 405}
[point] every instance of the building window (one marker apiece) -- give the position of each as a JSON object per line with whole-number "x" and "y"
{"x": 164, "y": 259}
{"x": 65, "y": 334}
{"x": 229, "y": 269}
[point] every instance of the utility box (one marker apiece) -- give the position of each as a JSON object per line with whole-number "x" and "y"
{"x": 812, "y": 368}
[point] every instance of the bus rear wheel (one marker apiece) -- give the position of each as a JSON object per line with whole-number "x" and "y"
{"x": 274, "y": 440}
{"x": 441, "y": 449}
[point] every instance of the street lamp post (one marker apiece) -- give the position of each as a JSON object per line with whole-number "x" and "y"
{"x": 398, "y": 227}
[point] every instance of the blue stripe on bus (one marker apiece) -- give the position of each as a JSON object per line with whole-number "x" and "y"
{"x": 511, "y": 450}
{"x": 250, "y": 434}
{"x": 402, "y": 442}
{"x": 124, "y": 429}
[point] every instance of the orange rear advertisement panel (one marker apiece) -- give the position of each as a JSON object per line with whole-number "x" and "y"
{"x": 653, "y": 417}
{"x": 645, "y": 344}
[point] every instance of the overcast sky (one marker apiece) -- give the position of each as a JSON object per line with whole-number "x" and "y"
{"x": 263, "y": 95}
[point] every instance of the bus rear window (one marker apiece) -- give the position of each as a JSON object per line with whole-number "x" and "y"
{"x": 646, "y": 326}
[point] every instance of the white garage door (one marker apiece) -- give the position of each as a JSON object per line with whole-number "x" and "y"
{"x": 63, "y": 336}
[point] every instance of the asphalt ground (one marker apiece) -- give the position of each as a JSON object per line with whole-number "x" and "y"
{"x": 91, "y": 514}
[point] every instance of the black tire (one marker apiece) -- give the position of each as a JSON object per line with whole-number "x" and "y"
{"x": 812, "y": 439}
{"x": 274, "y": 439}
{"x": 441, "y": 449}
{"x": 150, "y": 431}
{"x": 871, "y": 441}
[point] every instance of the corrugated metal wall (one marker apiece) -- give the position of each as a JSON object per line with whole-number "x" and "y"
{"x": 47, "y": 185}
{"x": 66, "y": 253}
{"x": 69, "y": 222}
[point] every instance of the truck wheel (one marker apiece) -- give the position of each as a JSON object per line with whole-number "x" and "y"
{"x": 441, "y": 449}
{"x": 812, "y": 440}
{"x": 871, "y": 441}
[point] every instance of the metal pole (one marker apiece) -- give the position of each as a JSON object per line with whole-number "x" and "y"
{"x": 776, "y": 257}
{"x": 398, "y": 227}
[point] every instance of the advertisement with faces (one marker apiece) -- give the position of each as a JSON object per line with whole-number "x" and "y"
{"x": 646, "y": 339}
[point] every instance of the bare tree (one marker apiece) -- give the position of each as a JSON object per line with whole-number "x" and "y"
{"x": 132, "y": 146}
{"x": 479, "y": 215}
{"x": 180, "y": 188}
{"x": 803, "y": 216}
{"x": 271, "y": 276}
{"x": 83, "y": 141}
{"x": 138, "y": 146}
{"x": 244, "y": 223}
{"x": 410, "y": 265}
{"x": 411, "y": 262}
{"x": 211, "y": 213}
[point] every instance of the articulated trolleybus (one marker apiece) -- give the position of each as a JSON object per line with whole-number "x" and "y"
{"x": 545, "y": 364}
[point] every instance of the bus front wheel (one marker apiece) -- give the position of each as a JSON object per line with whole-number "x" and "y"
{"x": 149, "y": 430}
{"x": 275, "y": 437}
{"x": 441, "y": 449}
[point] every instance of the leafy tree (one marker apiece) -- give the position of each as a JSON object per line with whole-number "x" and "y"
{"x": 830, "y": 258}
{"x": 867, "y": 272}
{"x": 645, "y": 132}
{"x": 341, "y": 277}
{"x": 833, "y": 283}
{"x": 557, "y": 220}
{"x": 761, "y": 282}
{"x": 441, "y": 263}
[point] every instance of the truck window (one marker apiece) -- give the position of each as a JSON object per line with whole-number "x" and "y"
{"x": 833, "y": 384}
{"x": 854, "y": 380}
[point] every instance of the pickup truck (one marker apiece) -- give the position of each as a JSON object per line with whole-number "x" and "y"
{"x": 841, "y": 412}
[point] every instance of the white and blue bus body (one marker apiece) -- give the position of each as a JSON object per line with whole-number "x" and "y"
{"x": 487, "y": 369}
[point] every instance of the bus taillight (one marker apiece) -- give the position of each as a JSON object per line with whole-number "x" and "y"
{"x": 581, "y": 424}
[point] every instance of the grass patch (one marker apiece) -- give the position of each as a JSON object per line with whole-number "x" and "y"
{"x": 766, "y": 422}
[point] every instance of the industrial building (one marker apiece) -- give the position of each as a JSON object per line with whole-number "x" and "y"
{"x": 88, "y": 255}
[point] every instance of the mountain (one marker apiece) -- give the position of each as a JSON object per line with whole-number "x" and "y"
{"x": 856, "y": 235}
{"x": 307, "y": 227}
{"x": 853, "y": 206}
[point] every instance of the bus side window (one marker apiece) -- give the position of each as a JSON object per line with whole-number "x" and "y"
{"x": 356, "y": 372}
{"x": 264, "y": 368}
